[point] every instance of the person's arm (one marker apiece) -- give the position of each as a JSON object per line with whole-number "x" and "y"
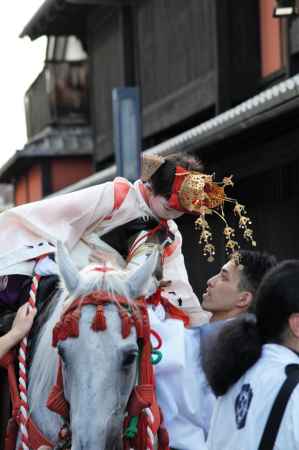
{"x": 180, "y": 291}
{"x": 66, "y": 216}
{"x": 20, "y": 328}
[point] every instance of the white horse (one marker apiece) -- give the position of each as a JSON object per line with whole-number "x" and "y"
{"x": 98, "y": 367}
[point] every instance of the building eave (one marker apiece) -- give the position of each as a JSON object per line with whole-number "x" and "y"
{"x": 266, "y": 106}
{"x": 64, "y": 17}
{"x": 74, "y": 142}
{"x": 56, "y": 18}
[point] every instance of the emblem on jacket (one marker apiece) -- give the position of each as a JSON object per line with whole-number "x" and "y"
{"x": 242, "y": 404}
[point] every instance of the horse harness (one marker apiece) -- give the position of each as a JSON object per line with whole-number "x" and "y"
{"x": 144, "y": 419}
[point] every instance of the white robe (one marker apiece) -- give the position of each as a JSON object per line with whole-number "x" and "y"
{"x": 260, "y": 386}
{"x": 79, "y": 219}
{"x": 184, "y": 394}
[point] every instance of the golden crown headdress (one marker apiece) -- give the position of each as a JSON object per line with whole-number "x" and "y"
{"x": 198, "y": 193}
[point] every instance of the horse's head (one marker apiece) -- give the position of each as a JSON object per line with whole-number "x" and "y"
{"x": 96, "y": 339}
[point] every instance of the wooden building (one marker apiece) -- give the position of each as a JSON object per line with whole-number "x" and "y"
{"x": 60, "y": 145}
{"x": 216, "y": 78}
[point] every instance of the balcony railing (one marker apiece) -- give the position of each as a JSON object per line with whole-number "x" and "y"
{"x": 59, "y": 95}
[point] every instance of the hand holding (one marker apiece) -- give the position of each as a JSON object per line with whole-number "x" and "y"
{"x": 23, "y": 321}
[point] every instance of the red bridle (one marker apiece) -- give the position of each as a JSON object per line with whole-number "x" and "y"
{"x": 143, "y": 396}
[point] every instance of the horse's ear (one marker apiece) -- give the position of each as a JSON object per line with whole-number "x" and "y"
{"x": 139, "y": 279}
{"x": 67, "y": 269}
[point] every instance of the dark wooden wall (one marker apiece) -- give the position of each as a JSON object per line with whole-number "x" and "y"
{"x": 105, "y": 48}
{"x": 238, "y": 51}
{"x": 176, "y": 44}
{"x": 165, "y": 46}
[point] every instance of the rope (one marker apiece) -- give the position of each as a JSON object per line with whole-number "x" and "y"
{"x": 150, "y": 434}
{"x": 23, "y": 353}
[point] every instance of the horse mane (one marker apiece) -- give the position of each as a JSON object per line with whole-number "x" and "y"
{"x": 43, "y": 355}
{"x": 112, "y": 281}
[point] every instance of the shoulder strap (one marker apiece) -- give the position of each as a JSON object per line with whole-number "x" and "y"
{"x": 279, "y": 406}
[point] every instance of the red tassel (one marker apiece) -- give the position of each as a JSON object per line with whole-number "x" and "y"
{"x": 139, "y": 328}
{"x": 60, "y": 333}
{"x": 137, "y": 319}
{"x": 99, "y": 322}
{"x": 126, "y": 326}
{"x": 126, "y": 322}
{"x": 72, "y": 323}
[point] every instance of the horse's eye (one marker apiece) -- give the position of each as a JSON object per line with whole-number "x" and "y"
{"x": 129, "y": 358}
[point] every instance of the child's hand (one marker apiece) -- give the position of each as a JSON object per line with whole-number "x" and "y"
{"x": 23, "y": 321}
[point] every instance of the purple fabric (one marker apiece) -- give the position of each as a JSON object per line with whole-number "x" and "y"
{"x": 14, "y": 290}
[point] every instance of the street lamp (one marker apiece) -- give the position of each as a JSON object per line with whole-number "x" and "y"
{"x": 286, "y": 8}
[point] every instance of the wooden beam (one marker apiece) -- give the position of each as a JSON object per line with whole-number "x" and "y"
{"x": 193, "y": 98}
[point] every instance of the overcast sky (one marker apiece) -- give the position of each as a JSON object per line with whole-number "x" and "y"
{"x": 22, "y": 60}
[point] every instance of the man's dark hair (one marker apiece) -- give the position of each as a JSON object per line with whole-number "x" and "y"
{"x": 254, "y": 267}
{"x": 277, "y": 298}
{"x": 239, "y": 344}
{"x": 162, "y": 180}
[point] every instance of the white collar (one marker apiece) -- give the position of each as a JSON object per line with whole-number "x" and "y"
{"x": 142, "y": 203}
{"x": 276, "y": 352}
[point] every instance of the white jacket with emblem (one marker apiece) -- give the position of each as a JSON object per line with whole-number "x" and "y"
{"x": 240, "y": 416}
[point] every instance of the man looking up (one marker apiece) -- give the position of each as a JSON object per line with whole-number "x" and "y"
{"x": 230, "y": 292}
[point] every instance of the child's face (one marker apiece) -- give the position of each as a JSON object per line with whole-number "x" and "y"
{"x": 161, "y": 208}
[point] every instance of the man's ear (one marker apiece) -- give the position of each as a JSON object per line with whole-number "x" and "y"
{"x": 245, "y": 299}
{"x": 294, "y": 324}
